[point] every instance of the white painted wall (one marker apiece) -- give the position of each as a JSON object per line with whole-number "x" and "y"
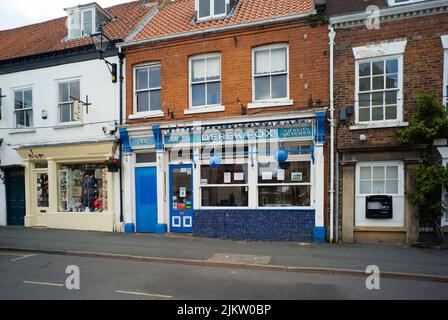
{"x": 95, "y": 81}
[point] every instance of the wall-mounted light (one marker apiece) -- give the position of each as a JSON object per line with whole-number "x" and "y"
{"x": 101, "y": 43}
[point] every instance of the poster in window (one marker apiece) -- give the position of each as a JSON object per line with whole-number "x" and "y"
{"x": 239, "y": 176}
{"x": 182, "y": 192}
{"x": 266, "y": 175}
{"x": 297, "y": 176}
{"x": 280, "y": 175}
{"x": 227, "y": 177}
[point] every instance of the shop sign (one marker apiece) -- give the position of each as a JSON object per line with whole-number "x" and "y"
{"x": 147, "y": 141}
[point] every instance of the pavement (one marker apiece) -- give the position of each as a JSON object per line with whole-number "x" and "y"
{"x": 270, "y": 256}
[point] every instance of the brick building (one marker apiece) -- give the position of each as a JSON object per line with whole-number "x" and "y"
{"x": 226, "y": 118}
{"x": 377, "y": 74}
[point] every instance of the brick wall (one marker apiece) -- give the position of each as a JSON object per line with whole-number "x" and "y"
{"x": 268, "y": 225}
{"x": 423, "y": 68}
{"x": 308, "y": 63}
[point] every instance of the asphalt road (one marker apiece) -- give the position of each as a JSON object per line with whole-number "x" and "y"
{"x": 28, "y": 276}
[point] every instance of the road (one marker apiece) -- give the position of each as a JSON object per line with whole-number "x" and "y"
{"x": 38, "y": 276}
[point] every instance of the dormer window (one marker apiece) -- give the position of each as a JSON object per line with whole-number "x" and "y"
{"x": 212, "y": 9}
{"x": 85, "y": 20}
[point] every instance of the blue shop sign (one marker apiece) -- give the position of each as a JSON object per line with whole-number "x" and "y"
{"x": 139, "y": 142}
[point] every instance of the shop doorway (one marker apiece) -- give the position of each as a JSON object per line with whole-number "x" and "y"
{"x": 146, "y": 199}
{"x": 15, "y": 197}
{"x": 181, "y": 198}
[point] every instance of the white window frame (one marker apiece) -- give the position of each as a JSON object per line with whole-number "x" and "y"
{"x": 93, "y": 11}
{"x": 68, "y": 81}
{"x": 22, "y": 90}
{"x": 212, "y": 10}
{"x": 384, "y": 164}
{"x": 445, "y": 70}
{"x": 395, "y": 3}
{"x": 271, "y": 102}
{"x": 399, "y": 92}
{"x": 207, "y": 107}
{"x": 146, "y": 114}
{"x": 80, "y": 22}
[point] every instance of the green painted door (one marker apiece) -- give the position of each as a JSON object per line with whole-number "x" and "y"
{"x": 15, "y": 198}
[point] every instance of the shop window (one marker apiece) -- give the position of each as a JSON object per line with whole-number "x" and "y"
{"x": 147, "y": 157}
{"x": 68, "y": 93}
{"x": 266, "y": 148}
{"x": 205, "y": 81}
{"x": 379, "y": 88}
{"x": 284, "y": 184}
{"x": 82, "y": 188}
{"x": 41, "y": 165}
{"x": 225, "y": 186}
{"x": 182, "y": 155}
{"x": 270, "y": 73}
{"x": 23, "y": 108}
{"x": 379, "y": 179}
{"x": 42, "y": 190}
{"x": 148, "y": 88}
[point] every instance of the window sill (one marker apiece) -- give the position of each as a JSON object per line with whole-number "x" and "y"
{"x": 68, "y": 125}
{"x": 144, "y": 115}
{"x": 269, "y": 104}
{"x": 392, "y": 124}
{"x": 19, "y": 131}
{"x": 205, "y": 110}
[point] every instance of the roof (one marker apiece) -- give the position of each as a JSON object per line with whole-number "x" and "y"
{"x": 50, "y": 36}
{"x": 337, "y": 7}
{"x": 177, "y": 17}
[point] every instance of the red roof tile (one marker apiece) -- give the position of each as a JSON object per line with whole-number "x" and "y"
{"x": 177, "y": 16}
{"x": 50, "y": 36}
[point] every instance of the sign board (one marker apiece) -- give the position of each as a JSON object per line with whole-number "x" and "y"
{"x": 78, "y": 111}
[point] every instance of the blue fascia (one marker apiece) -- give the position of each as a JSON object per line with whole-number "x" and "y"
{"x": 129, "y": 228}
{"x": 124, "y": 138}
{"x": 320, "y": 136}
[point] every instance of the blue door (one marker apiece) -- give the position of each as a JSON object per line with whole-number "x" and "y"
{"x": 181, "y": 198}
{"x": 146, "y": 199}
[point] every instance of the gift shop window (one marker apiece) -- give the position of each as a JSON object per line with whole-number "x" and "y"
{"x": 82, "y": 188}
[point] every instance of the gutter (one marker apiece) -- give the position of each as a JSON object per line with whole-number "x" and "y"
{"x": 216, "y": 29}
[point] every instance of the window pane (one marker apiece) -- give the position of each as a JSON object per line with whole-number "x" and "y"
{"x": 391, "y": 97}
{"x": 145, "y": 157}
{"x": 65, "y": 113}
{"x": 28, "y": 98}
{"x": 392, "y": 66}
{"x": 156, "y": 100}
{"x": 198, "y": 70}
{"x": 213, "y": 69}
{"x": 220, "y": 7}
{"x": 364, "y": 99}
{"x": 262, "y": 62}
{"x": 392, "y": 172}
{"x": 378, "y": 187}
{"x": 286, "y": 172}
{"x": 377, "y": 114}
{"x": 18, "y": 100}
{"x": 378, "y": 67}
{"x": 278, "y": 60}
{"x": 377, "y": 99}
{"x": 155, "y": 77}
{"x": 378, "y": 173}
{"x": 29, "y": 118}
{"x": 262, "y": 90}
{"x": 279, "y": 86}
{"x": 364, "y": 69}
{"x": 392, "y": 186}
{"x": 63, "y": 92}
{"x": 224, "y": 196}
{"x": 142, "y": 79}
{"x": 88, "y": 23}
{"x": 42, "y": 190}
{"x": 74, "y": 90}
{"x": 284, "y": 196}
{"x": 198, "y": 95}
{"x": 20, "y": 119}
{"x": 142, "y": 101}
{"x": 392, "y": 81}
{"x": 365, "y": 173}
{"x": 365, "y": 187}
{"x": 204, "y": 8}
{"x": 364, "y": 114}
{"x": 364, "y": 84}
{"x": 378, "y": 83}
{"x": 213, "y": 93}
{"x": 235, "y": 173}
{"x": 391, "y": 112}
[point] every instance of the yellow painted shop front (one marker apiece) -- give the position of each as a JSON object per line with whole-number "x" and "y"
{"x": 69, "y": 187}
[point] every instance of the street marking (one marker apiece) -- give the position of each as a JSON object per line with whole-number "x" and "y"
{"x": 144, "y": 294}
{"x": 20, "y": 256}
{"x": 23, "y": 257}
{"x": 44, "y": 284}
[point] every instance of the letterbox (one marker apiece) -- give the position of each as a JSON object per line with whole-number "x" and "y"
{"x": 379, "y": 207}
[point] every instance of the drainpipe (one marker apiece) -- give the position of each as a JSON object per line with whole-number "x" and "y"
{"x": 332, "y": 35}
{"x": 336, "y": 209}
{"x": 121, "y": 79}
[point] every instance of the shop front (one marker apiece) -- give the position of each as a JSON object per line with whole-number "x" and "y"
{"x": 69, "y": 186}
{"x": 258, "y": 180}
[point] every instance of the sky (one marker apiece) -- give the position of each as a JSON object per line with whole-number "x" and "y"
{"x": 16, "y": 13}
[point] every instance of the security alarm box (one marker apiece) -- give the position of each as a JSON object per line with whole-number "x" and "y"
{"x": 379, "y": 207}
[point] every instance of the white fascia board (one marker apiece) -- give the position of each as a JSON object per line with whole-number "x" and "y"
{"x": 445, "y": 42}
{"x": 380, "y": 50}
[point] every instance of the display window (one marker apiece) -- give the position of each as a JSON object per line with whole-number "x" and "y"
{"x": 82, "y": 188}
